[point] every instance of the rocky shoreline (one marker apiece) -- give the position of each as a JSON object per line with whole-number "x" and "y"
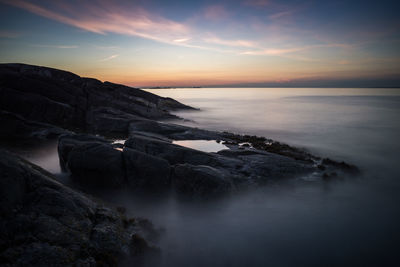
{"x": 46, "y": 222}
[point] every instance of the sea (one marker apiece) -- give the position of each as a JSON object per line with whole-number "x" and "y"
{"x": 355, "y": 222}
{"x": 351, "y": 222}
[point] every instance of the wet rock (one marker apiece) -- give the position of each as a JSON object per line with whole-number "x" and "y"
{"x": 169, "y": 130}
{"x": 200, "y": 180}
{"x": 44, "y": 223}
{"x": 343, "y": 166}
{"x": 91, "y": 160}
{"x": 109, "y": 122}
{"x": 97, "y": 164}
{"x": 321, "y": 167}
{"x": 261, "y": 166}
{"x": 327, "y": 177}
{"x": 174, "y": 154}
{"x": 145, "y": 171}
{"x": 67, "y": 142}
{"x": 269, "y": 145}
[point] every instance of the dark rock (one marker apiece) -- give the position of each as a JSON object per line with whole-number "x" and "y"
{"x": 200, "y": 180}
{"x": 147, "y": 160}
{"x": 264, "y": 166}
{"x": 343, "y": 166}
{"x": 174, "y": 154}
{"x": 169, "y": 130}
{"x": 145, "y": 171}
{"x": 36, "y": 107}
{"x": 328, "y": 177}
{"x": 271, "y": 146}
{"x": 63, "y": 99}
{"x": 67, "y": 142}
{"x": 16, "y": 127}
{"x": 321, "y": 167}
{"x": 109, "y": 122}
{"x": 45, "y": 223}
{"x": 96, "y": 164}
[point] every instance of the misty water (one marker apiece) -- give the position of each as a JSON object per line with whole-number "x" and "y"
{"x": 354, "y": 222}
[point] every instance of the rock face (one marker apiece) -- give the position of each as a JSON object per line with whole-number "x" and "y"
{"x": 144, "y": 171}
{"x": 63, "y": 99}
{"x": 200, "y": 180}
{"x": 44, "y": 223}
{"x": 97, "y": 164}
{"x": 156, "y": 164}
{"x": 151, "y": 162}
{"x": 169, "y": 130}
{"x": 15, "y": 127}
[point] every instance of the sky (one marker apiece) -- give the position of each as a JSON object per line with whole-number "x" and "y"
{"x": 208, "y": 43}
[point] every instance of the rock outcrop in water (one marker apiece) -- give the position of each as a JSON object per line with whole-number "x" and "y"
{"x": 149, "y": 161}
{"x": 44, "y": 223}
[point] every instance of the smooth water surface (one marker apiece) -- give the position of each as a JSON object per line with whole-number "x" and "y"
{"x": 202, "y": 145}
{"x": 349, "y": 223}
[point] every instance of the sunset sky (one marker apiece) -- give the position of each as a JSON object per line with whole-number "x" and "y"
{"x": 200, "y": 43}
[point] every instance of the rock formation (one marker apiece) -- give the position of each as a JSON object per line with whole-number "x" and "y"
{"x": 44, "y": 223}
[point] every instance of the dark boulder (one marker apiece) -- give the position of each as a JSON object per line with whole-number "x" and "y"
{"x": 174, "y": 154}
{"x": 97, "y": 164}
{"x": 200, "y": 181}
{"x": 67, "y": 142}
{"x": 145, "y": 171}
{"x": 170, "y": 130}
{"x": 264, "y": 166}
{"x": 109, "y": 121}
{"x": 44, "y": 223}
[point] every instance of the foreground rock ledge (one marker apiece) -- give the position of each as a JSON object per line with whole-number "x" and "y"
{"x": 149, "y": 160}
{"x": 48, "y": 224}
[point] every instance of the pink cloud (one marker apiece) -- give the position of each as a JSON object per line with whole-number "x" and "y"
{"x": 216, "y": 12}
{"x": 275, "y": 51}
{"x": 108, "y": 18}
{"x": 238, "y": 43}
{"x": 284, "y": 51}
{"x": 103, "y": 17}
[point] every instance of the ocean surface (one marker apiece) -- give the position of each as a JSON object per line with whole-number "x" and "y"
{"x": 355, "y": 222}
{"x": 349, "y": 223}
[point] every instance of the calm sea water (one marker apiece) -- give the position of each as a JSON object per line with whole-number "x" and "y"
{"x": 350, "y": 223}
{"x": 347, "y": 223}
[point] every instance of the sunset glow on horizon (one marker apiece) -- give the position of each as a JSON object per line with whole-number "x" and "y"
{"x": 207, "y": 43}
